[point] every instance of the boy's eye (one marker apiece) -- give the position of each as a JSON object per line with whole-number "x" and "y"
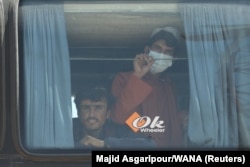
{"x": 156, "y": 48}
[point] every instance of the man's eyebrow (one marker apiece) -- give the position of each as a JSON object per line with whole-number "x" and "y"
{"x": 92, "y": 105}
{"x": 85, "y": 105}
{"x": 157, "y": 45}
{"x": 169, "y": 49}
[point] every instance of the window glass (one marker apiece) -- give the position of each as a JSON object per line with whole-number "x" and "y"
{"x": 2, "y": 100}
{"x": 166, "y": 74}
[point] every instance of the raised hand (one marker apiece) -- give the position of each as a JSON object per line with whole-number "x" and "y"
{"x": 142, "y": 64}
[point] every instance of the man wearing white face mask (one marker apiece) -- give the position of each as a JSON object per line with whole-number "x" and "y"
{"x": 148, "y": 91}
{"x": 161, "y": 62}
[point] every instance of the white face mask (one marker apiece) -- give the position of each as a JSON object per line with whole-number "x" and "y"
{"x": 162, "y": 64}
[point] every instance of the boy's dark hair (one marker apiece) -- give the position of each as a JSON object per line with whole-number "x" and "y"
{"x": 168, "y": 37}
{"x": 94, "y": 94}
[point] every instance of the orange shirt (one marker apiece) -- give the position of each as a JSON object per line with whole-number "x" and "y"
{"x": 152, "y": 96}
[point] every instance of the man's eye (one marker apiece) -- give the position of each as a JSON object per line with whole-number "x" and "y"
{"x": 168, "y": 52}
{"x": 99, "y": 107}
{"x": 85, "y": 108}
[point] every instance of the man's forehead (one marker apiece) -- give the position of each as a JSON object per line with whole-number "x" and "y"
{"x": 162, "y": 43}
{"x": 93, "y": 102}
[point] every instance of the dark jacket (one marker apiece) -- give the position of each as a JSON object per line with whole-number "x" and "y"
{"x": 115, "y": 136}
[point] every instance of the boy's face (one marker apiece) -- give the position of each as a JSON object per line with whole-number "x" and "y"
{"x": 93, "y": 114}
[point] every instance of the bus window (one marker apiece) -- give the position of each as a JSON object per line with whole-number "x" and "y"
{"x": 91, "y": 47}
{"x": 82, "y": 44}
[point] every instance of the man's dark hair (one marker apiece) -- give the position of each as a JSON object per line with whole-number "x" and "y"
{"x": 168, "y": 37}
{"x": 96, "y": 93}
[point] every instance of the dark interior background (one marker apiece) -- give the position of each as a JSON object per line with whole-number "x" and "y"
{"x": 119, "y": 30}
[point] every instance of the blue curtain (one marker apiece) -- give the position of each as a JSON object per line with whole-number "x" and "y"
{"x": 47, "y": 95}
{"x": 218, "y": 40}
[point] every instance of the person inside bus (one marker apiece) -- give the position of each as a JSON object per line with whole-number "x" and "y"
{"x": 148, "y": 92}
{"x": 94, "y": 129}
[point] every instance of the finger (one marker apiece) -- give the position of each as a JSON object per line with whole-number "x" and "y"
{"x": 151, "y": 60}
{"x": 142, "y": 58}
{"x": 148, "y": 60}
{"x": 84, "y": 142}
{"x": 137, "y": 58}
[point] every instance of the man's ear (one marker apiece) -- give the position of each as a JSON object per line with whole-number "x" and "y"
{"x": 146, "y": 49}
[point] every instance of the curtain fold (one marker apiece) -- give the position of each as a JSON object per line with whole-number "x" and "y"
{"x": 47, "y": 94}
{"x": 218, "y": 51}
